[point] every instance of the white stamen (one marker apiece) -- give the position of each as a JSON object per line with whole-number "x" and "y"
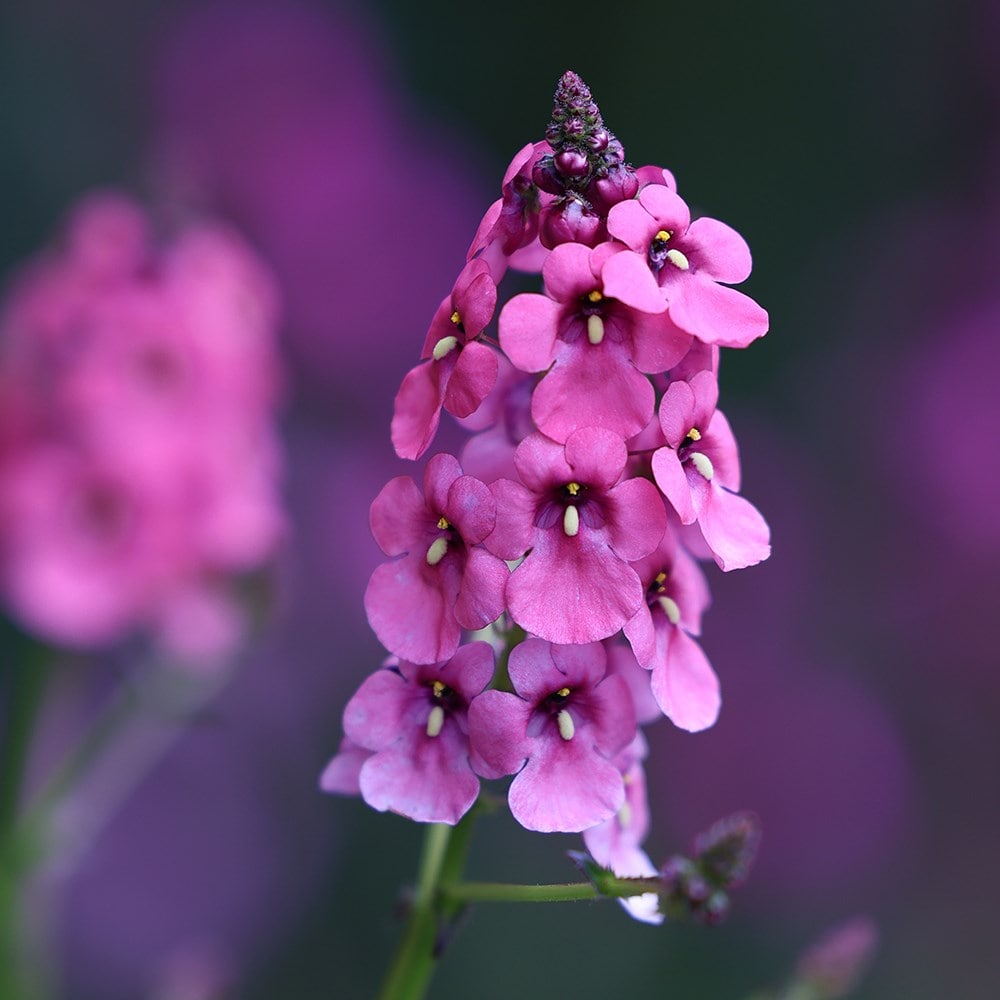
{"x": 678, "y": 259}
{"x": 435, "y": 721}
{"x": 595, "y": 329}
{"x": 703, "y": 464}
{"x": 566, "y": 728}
{"x": 437, "y": 551}
{"x": 571, "y": 521}
{"x": 670, "y": 609}
{"x": 625, "y": 816}
{"x": 443, "y": 347}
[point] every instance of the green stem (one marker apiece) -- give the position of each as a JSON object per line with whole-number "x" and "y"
{"x": 26, "y": 683}
{"x": 413, "y": 963}
{"x": 503, "y": 892}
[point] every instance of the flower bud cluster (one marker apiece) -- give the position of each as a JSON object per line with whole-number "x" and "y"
{"x": 138, "y": 456}
{"x": 599, "y": 472}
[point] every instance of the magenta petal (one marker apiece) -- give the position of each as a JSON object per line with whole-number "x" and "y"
{"x": 716, "y": 314}
{"x": 734, "y": 529}
{"x": 565, "y": 787}
{"x": 719, "y": 443}
{"x": 612, "y": 716}
{"x": 428, "y": 780}
{"x": 677, "y": 412}
{"x": 475, "y": 298}
{"x": 580, "y": 593}
{"x": 541, "y": 463}
{"x": 685, "y": 686}
{"x": 471, "y": 508}
{"x": 342, "y": 774}
{"x": 469, "y": 670}
{"x": 667, "y": 207}
{"x": 440, "y": 475}
{"x": 596, "y": 456}
{"x": 528, "y": 327}
{"x": 410, "y": 607}
{"x": 629, "y": 222}
{"x": 642, "y": 636}
{"x": 515, "y": 524}
{"x": 567, "y": 272}
{"x": 396, "y": 516}
{"x": 639, "y": 519}
{"x": 595, "y": 387}
{"x": 470, "y": 383}
{"x": 417, "y": 410}
{"x": 719, "y": 251}
{"x": 497, "y": 724}
{"x": 658, "y": 343}
{"x": 673, "y": 483}
{"x": 481, "y": 599}
{"x": 376, "y": 714}
{"x": 627, "y": 277}
{"x": 538, "y": 668}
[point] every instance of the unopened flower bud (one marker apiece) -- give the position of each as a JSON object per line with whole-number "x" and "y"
{"x": 570, "y": 221}
{"x": 572, "y": 163}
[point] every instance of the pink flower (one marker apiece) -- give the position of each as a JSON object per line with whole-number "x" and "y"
{"x": 699, "y": 473}
{"x": 444, "y": 581}
{"x": 582, "y": 524}
{"x": 458, "y": 373}
{"x": 413, "y": 720}
{"x": 602, "y": 325}
{"x": 616, "y": 843}
{"x": 689, "y": 259}
{"x": 139, "y": 469}
{"x": 683, "y": 682}
{"x": 559, "y": 732}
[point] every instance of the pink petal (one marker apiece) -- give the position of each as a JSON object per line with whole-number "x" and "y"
{"x": 497, "y": 724}
{"x": 667, "y": 207}
{"x": 474, "y": 375}
{"x": 398, "y": 516}
{"x": 541, "y": 463}
{"x": 719, "y": 251}
{"x": 342, "y": 773}
{"x": 565, "y": 788}
{"x": 685, "y": 686}
{"x": 481, "y": 599}
{"x": 417, "y": 410}
{"x": 567, "y": 272}
{"x": 629, "y": 222}
{"x": 442, "y": 471}
{"x": 528, "y": 327}
{"x": 735, "y": 530}
{"x": 471, "y": 508}
{"x": 596, "y": 456}
{"x": 410, "y": 607}
{"x": 578, "y": 591}
{"x": 639, "y": 519}
{"x": 596, "y": 386}
{"x": 627, "y": 277}
{"x": 376, "y": 714}
{"x": 677, "y": 412}
{"x": 515, "y": 524}
{"x": 658, "y": 344}
{"x": 717, "y": 314}
{"x": 673, "y": 482}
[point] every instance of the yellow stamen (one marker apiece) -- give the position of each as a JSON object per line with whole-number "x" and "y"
{"x": 662, "y": 236}
{"x": 455, "y": 318}
{"x": 563, "y": 692}
{"x": 694, "y": 434}
{"x": 443, "y": 523}
{"x": 594, "y": 296}
{"x": 573, "y": 489}
{"x": 438, "y": 687}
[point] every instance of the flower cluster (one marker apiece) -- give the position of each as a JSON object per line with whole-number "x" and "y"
{"x": 138, "y": 457}
{"x": 599, "y": 472}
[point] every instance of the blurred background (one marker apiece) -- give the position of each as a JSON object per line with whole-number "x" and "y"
{"x": 857, "y": 148}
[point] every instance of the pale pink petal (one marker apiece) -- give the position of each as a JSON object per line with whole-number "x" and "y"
{"x": 639, "y": 519}
{"x": 658, "y": 344}
{"x": 567, "y": 272}
{"x": 342, "y": 773}
{"x": 677, "y": 412}
{"x": 673, "y": 482}
{"x": 375, "y": 716}
{"x": 627, "y": 277}
{"x": 481, "y": 599}
{"x": 735, "y": 530}
{"x": 629, "y": 222}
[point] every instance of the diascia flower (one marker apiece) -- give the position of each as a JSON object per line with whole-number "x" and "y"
{"x": 583, "y": 523}
{"x": 560, "y": 732}
{"x": 444, "y": 581}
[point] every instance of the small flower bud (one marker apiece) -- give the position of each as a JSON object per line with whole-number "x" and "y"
{"x": 570, "y": 221}
{"x": 572, "y": 163}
